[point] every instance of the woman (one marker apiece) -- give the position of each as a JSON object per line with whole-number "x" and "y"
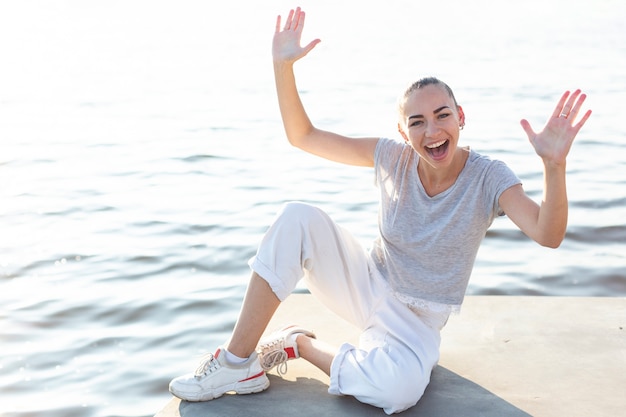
{"x": 437, "y": 202}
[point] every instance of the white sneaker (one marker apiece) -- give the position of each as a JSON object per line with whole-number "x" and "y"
{"x": 216, "y": 376}
{"x": 279, "y": 347}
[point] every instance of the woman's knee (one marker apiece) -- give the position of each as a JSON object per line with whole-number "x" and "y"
{"x": 298, "y": 212}
{"x": 400, "y": 390}
{"x": 378, "y": 379}
{"x": 306, "y": 223}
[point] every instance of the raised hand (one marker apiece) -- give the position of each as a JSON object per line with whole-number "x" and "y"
{"x": 286, "y": 44}
{"x": 553, "y": 143}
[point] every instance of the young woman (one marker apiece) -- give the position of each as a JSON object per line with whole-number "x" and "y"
{"x": 437, "y": 201}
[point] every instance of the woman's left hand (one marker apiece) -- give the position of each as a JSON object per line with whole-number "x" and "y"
{"x": 553, "y": 143}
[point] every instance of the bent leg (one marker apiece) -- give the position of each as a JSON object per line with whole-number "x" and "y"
{"x": 304, "y": 242}
{"x": 301, "y": 242}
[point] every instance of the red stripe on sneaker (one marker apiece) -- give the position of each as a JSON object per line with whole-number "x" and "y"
{"x": 254, "y": 376}
{"x": 291, "y": 352}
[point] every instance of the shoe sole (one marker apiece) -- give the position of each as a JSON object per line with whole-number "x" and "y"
{"x": 242, "y": 387}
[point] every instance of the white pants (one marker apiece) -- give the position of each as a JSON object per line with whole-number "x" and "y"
{"x": 399, "y": 346}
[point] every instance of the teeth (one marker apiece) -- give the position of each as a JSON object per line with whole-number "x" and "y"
{"x": 436, "y": 145}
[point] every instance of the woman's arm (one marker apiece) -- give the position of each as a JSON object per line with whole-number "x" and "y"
{"x": 286, "y": 50}
{"x": 547, "y": 223}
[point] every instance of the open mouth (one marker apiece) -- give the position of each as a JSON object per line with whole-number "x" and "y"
{"x": 438, "y": 150}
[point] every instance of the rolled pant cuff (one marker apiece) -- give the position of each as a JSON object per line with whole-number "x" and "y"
{"x": 335, "y": 368}
{"x": 275, "y": 283}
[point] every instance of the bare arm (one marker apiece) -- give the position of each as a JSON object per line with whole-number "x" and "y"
{"x": 547, "y": 223}
{"x": 286, "y": 50}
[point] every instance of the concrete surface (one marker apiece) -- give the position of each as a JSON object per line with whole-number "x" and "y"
{"x": 502, "y": 356}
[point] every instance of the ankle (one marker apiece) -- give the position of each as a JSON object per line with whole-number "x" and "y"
{"x": 234, "y": 359}
{"x": 237, "y": 351}
{"x": 301, "y": 341}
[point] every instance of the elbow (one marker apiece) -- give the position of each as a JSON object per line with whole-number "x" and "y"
{"x": 293, "y": 139}
{"x": 551, "y": 241}
{"x": 551, "y": 244}
{"x": 550, "y": 234}
{"x": 298, "y": 138}
{"x": 298, "y": 145}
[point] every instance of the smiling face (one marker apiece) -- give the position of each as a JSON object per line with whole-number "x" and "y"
{"x": 430, "y": 122}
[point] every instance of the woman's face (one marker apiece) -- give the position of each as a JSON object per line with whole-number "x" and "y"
{"x": 430, "y": 124}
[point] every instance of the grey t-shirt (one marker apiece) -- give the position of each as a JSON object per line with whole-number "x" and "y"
{"x": 426, "y": 246}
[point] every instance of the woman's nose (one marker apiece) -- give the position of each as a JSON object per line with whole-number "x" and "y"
{"x": 432, "y": 129}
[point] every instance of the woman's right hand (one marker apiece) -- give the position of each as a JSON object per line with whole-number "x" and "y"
{"x": 286, "y": 44}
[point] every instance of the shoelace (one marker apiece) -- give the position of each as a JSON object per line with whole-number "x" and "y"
{"x": 275, "y": 358}
{"x": 207, "y": 365}
{"x": 273, "y": 354}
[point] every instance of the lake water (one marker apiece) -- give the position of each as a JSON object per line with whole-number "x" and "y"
{"x": 142, "y": 157}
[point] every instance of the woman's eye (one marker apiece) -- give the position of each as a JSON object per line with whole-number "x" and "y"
{"x": 416, "y": 123}
{"x": 444, "y": 115}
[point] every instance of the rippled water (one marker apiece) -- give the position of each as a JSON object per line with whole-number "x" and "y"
{"x": 142, "y": 158}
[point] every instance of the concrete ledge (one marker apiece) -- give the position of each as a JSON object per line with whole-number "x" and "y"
{"x": 502, "y": 356}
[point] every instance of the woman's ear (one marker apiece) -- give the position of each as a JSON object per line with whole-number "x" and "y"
{"x": 402, "y": 133}
{"x": 461, "y": 117}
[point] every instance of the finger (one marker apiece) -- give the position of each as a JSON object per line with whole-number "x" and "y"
{"x": 529, "y": 130}
{"x": 577, "y": 105}
{"x": 298, "y": 19}
{"x": 567, "y": 109}
{"x": 288, "y": 21}
{"x": 558, "y": 110}
{"x": 277, "y": 24}
{"x": 311, "y": 45}
{"x": 580, "y": 124}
